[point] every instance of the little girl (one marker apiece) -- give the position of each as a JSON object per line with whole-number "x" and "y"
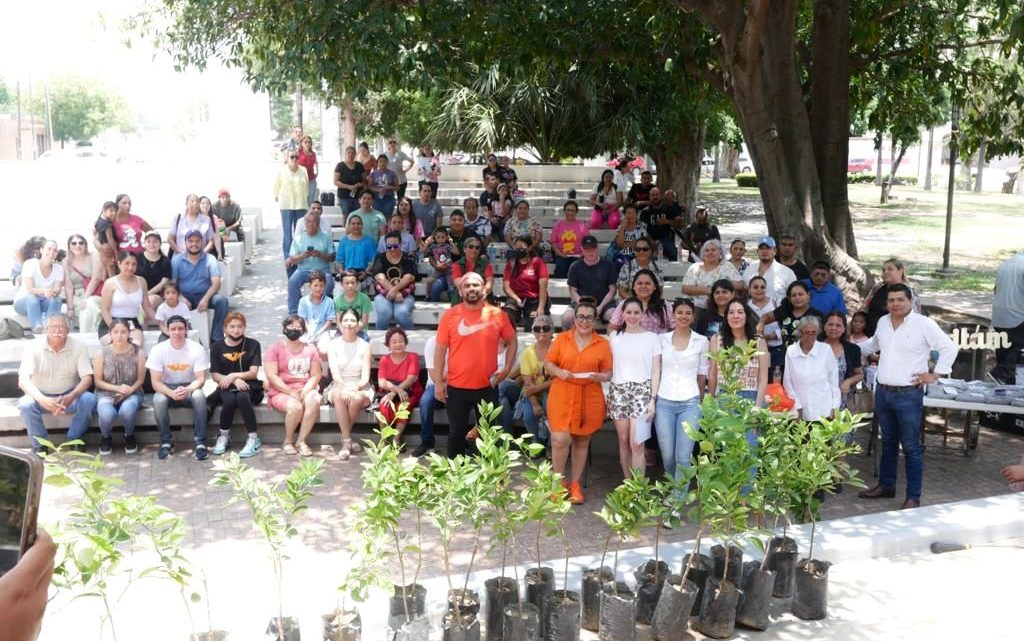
{"x": 174, "y": 305}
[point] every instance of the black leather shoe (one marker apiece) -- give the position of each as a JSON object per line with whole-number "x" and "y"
{"x": 422, "y": 449}
{"x": 878, "y": 492}
{"x": 910, "y": 504}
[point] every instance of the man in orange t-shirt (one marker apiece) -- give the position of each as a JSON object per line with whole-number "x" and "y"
{"x": 469, "y": 335}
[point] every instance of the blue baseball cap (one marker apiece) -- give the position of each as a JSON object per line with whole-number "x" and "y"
{"x": 766, "y": 240}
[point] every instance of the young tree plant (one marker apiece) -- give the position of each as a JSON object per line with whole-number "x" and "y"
{"x": 624, "y": 515}
{"x": 274, "y": 507}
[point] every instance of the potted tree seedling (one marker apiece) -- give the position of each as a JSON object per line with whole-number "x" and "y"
{"x": 680, "y": 596}
{"x": 101, "y": 531}
{"x": 726, "y": 462}
{"x": 651, "y": 576}
{"x": 274, "y": 509}
{"x": 821, "y": 465}
{"x": 563, "y": 623}
{"x": 543, "y": 503}
{"x": 623, "y": 514}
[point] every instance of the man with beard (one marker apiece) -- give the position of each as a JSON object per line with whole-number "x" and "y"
{"x": 468, "y": 338}
{"x": 198, "y": 277}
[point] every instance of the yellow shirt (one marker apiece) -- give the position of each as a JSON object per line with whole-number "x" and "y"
{"x": 291, "y": 188}
{"x": 530, "y": 365}
{"x": 56, "y": 372}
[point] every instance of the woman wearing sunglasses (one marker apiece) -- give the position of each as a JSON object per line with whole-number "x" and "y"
{"x": 395, "y": 275}
{"x": 534, "y": 393}
{"x": 474, "y": 259}
{"x": 84, "y": 274}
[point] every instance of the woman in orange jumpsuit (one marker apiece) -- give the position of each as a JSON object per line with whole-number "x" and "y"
{"x": 579, "y": 361}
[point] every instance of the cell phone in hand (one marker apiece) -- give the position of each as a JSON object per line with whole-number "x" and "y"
{"x": 309, "y": 249}
{"x": 21, "y": 479}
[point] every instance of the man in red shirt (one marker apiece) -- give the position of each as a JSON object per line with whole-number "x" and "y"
{"x": 468, "y": 336}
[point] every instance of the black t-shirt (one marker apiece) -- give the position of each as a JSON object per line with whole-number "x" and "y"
{"x": 349, "y": 177}
{"x": 225, "y": 359}
{"x": 801, "y": 271}
{"x": 592, "y": 280}
{"x": 696, "y": 235}
{"x": 788, "y": 321}
{"x": 652, "y": 215}
{"x": 153, "y": 271}
{"x": 639, "y": 192}
{"x": 709, "y": 324}
{"x": 486, "y": 197}
{"x": 407, "y": 265}
{"x": 507, "y": 175}
{"x": 101, "y": 227}
{"x": 461, "y": 240}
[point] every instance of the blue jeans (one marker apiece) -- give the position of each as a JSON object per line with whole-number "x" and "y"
{"x": 80, "y": 412}
{"x": 312, "y": 193}
{"x": 508, "y": 395}
{"x": 562, "y": 265}
{"x": 295, "y": 282}
{"x": 532, "y": 421}
{"x": 428, "y": 402}
{"x": 219, "y": 305}
{"x": 899, "y": 419}
{"x": 348, "y": 205}
{"x": 675, "y": 445}
{"x": 38, "y": 308}
{"x": 439, "y": 286}
{"x": 389, "y": 312}
{"x": 289, "y": 218}
{"x": 162, "y": 410}
{"x": 385, "y": 204}
{"x": 108, "y": 412}
{"x": 668, "y": 247}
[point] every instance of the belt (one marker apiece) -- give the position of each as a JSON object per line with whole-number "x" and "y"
{"x": 897, "y": 388}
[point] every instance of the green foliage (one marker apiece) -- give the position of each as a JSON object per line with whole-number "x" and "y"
{"x": 6, "y": 97}
{"x": 102, "y": 531}
{"x": 81, "y": 109}
{"x": 282, "y": 114}
{"x": 407, "y": 113}
{"x": 746, "y": 180}
{"x": 862, "y": 178}
{"x": 272, "y": 506}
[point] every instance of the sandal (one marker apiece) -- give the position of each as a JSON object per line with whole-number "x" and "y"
{"x": 288, "y": 448}
{"x": 354, "y": 447}
{"x": 304, "y": 449}
{"x": 344, "y": 454}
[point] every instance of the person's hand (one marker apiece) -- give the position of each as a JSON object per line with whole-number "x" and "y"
{"x": 403, "y": 396}
{"x": 1013, "y": 473}
{"x": 180, "y": 393}
{"x": 124, "y": 390}
{"x": 441, "y": 392}
{"x": 23, "y": 590}
{"x": 650, "y": 409}
{"x": 241, "y": 385}
{"x": 51, "y": 405}
{"x": 596, "y": 377}
{"x": 924, "y": 378}
{"x": 201, "y": 307}
{"x": 844, "y": 387}
{"x": 225, "y": 382}
{"x": 472, "y": 434}
{"x": 562, "y": 374}
{"x": 533, "y": 314}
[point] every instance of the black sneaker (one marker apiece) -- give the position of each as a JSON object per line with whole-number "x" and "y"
{"x": 201, "y": 452}
{"x": 130, "y": 446}
{"x": 106, "y": 445}
{"x": 422, "y": 449}
{"x": 165, "y": 450}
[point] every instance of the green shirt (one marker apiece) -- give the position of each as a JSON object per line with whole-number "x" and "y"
{"x": 373, "y": 222}
{"x": 361, "y": 304}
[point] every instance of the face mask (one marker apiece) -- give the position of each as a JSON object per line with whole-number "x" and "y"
{"x": 292, "y": 334}
{"x": 517, "y": 254}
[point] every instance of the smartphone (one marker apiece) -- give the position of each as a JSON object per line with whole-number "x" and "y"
{"x": 310, "y": 248}
{"x": 21, "y": 478}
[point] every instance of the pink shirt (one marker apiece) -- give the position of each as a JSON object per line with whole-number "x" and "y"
{"x": 568, "y": 237}
{"x": 128, "y": 234}
{"x": 293, "y": 368}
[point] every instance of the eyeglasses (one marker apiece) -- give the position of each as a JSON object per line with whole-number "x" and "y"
{"x": 77, "y": 242}
{"x": 642, "y": 249}
{"x": 585, "y": 318}
{"x": 472, "y": 246}
{"x": 541, "y": 329}
{"x": 293, "y": 157}
{"x": 393, "y": 246}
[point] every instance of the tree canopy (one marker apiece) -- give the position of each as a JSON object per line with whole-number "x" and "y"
{"x": 81, "y": 109}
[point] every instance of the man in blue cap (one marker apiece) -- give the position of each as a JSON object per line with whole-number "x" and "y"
{"x": 198, "y": 276}
{"x": 776, "y": 275}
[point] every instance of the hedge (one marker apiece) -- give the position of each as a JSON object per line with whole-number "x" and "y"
{"x": 746, "y": 180}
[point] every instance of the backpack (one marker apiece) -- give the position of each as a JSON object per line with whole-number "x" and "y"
{"x": 11, "y": 328}
{"x": 327, "y": 199}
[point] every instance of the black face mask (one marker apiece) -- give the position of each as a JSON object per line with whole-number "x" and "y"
{"x": 516, "y": 254}
{"x": 292, "y": 334}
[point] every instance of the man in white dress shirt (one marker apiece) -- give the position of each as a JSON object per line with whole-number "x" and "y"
{"x": 776, "y": 275}
{"x": 904, "y": 340}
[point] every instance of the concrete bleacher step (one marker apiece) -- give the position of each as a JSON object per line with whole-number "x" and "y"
{"x": 12, "y": 351}
{"x": 428, "y": 315}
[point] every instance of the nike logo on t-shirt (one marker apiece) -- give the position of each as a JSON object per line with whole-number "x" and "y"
{"x": 469, "y": 330}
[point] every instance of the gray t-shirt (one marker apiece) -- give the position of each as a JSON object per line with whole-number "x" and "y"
{"x": 427, "y": 214}
{"x": 395, "y": 161}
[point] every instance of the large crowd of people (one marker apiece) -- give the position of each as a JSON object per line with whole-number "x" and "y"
{"x": 634, "y": 348}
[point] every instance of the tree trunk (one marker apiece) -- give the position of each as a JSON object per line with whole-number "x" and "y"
{"x": 879, "y": 143}
{"x": 894, "y": 166}
{"x": 980, "y": 166}
{"x": 830, "y": 124}
{"x": 757, "y": 59}
{"x": 298, "y": 105}
{"x": 679, "y": 167}
{"x": 928, "y": 169}
{"x": 716, "y": 172}
{"x": 348, "y": 125}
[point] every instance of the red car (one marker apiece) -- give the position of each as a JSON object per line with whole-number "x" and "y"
{"x": 860, "y": 165}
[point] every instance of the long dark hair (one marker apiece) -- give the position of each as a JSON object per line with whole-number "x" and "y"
{"x": 721, "y": 283}
{"x": 530, "y": 253}
{"x": 656, "y": 306}
{"x": 600, "y": 183}
{"x": 749, "y": 327}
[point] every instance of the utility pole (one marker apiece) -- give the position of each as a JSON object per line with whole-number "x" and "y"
{"x": 17, "y": 139}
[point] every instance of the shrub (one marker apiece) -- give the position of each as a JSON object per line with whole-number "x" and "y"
{"x": 853, "y": 179}
{"x": 746, "y": 180}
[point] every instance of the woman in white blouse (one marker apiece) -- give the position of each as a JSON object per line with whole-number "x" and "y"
{"x": 42, "y": 280}
{"x": 811, "y": 374}
{"x": 636, "y": 374}
{"x": 684, "y": 366}
{"x": 700, "y": 277}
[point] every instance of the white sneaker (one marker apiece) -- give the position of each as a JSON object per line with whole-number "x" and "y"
{"x": 252, "y": 446}
{"x": 221, "y": 445}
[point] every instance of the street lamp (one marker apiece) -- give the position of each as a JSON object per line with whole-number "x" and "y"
{"x": 954, "y": 153}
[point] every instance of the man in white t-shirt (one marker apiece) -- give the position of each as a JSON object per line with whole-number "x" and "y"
{"x": 178, "y": 369}
{"x": 776, "y": 275}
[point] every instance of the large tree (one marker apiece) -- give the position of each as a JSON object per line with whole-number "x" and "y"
{"x": 81, "y": 109}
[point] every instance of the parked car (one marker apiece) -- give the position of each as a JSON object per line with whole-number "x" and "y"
{"x": 860, "y": 165}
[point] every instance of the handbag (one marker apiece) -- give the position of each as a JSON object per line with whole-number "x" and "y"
{"x": 861, "y": 401}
